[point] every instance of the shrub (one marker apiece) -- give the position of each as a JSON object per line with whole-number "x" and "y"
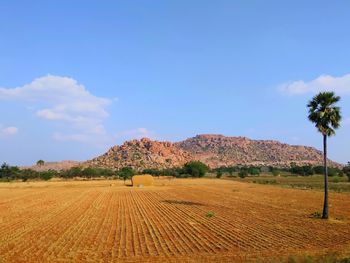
{"x": 195, "y": 168}
{"x": 346, "y": 171}
{"x": 243, "y": 174}
{"x": 72, "y": 172}
{"x": 89, "y": 172}
{"x": 318, "y": 169}
{"x": 210, "y": 214}
{"x": 254, "y": 171}
{"x": 275, "y": 172}
{"x": 316, "y": 214}
{"x": 218, "y": 174}
{"x": 336, "y": 179}
{"x": 47, "y": 175}
{"x": 5, "y": 171}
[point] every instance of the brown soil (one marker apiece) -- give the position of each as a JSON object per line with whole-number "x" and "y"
{"x": 104, "y": 221}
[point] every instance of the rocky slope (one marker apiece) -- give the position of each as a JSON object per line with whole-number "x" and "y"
{"x": 63, "y": 165}
{"x": 141, "y": 154}
{"x": 218, "y": 150}
{"x": 214, "y": 150}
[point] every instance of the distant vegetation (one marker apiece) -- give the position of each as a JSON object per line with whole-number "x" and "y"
{"x": 189, "y": 170}
{"x": 243, "y": 171}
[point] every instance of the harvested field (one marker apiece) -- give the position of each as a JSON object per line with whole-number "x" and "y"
{"x": 104, "y": 221}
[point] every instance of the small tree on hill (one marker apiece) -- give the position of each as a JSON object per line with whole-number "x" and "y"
{"x": 40, "y": 162}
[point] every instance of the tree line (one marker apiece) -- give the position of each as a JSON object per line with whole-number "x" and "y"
{"x": 190, "y": 169}
{"x": 194, "y": 169}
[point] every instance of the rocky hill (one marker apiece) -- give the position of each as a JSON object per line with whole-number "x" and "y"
{"x": 218, "y": 150}
{"x": 214, "y": 150}
{"x": 63, "y": 165}
{"x": 141, "y": 154}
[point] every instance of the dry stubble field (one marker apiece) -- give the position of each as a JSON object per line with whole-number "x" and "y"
{"x": 95, "y": 221}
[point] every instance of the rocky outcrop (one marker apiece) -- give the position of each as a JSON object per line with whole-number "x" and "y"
{"x": 141, "y": 154}
{"x": 57, "y": 166}
{"x": 214, "y": 150}
{"x": 218, "y": 150}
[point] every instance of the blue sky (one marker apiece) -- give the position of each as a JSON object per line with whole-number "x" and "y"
{"x": 77, "y": 77}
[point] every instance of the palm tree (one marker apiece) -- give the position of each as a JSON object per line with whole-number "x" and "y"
{"x": 40, "y": 163}
{"x": 326, "y": 116}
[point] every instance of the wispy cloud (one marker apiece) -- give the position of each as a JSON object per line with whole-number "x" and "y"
{"x": 64, "y": 100}
{"x": 8, "y": 131}
{"x": 137, "y": 133}
{"x": 340, "y": 85}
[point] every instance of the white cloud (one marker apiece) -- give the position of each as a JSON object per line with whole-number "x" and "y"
{"x": 64, "y": 100}
{"x": 9, "y": 131}
{"x": 340, "y": 85}
{"x": 137, "y": 133}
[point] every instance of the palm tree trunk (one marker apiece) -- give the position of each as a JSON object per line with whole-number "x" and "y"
{"x": 325, "y": 171}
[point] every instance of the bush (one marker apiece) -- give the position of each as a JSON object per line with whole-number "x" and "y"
{"x": 5, "y": 171}
{"x": 275, "y": 172}
{"x": 195, "y": 169}
{"x": 254, "y": 171}
{"x": 89, "y": 172}
{"x": 336, "y": 179}
{"x": 47, "y": 175}
{"x": 346, "y": 171}
{"x": 316, "y": 214}
{"x": 218, "y": 174}
{"x": 318, "y": 169}
{"x": 242, "y": 174}
{"x": 210, "y": 214}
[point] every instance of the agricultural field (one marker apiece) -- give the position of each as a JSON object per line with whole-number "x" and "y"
{"x": 178, "y": 220}
{"x": 336, "y": 183}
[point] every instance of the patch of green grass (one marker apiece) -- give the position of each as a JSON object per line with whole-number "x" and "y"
{"x": 336, "y": 183}
{"x": 210, "y": 214}
{"x": 316, "y": 214}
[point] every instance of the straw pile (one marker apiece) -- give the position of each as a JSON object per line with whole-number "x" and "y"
{"x": 142, "y": 180}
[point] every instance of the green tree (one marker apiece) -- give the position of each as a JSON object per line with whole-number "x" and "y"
{"x": 40, "y": 162}
{"x": 346, "y": 171}
{"x": 195, "y": 168}
{"x": 89, "y": 172}
{"x": 254, "y": 171}
{"x": 326, "y": 116}
{"x": 71, "y": 173}
{"x": 243, "y": 173}
{"x": 5, "y": 171}
{"x": 126, "y": 173}
{"x": 47, "y": 175}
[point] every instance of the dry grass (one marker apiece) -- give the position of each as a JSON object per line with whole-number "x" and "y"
{"x": 96, "y": 221}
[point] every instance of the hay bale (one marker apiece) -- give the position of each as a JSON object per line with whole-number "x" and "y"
{"x": 142, "y": 180}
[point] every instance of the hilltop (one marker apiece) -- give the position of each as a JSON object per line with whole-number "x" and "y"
{"x": 57, "y": 166}
{"x": 219, "y": 150}
{"x": 141, "y": 154}
{"x": 212, "y": 149}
